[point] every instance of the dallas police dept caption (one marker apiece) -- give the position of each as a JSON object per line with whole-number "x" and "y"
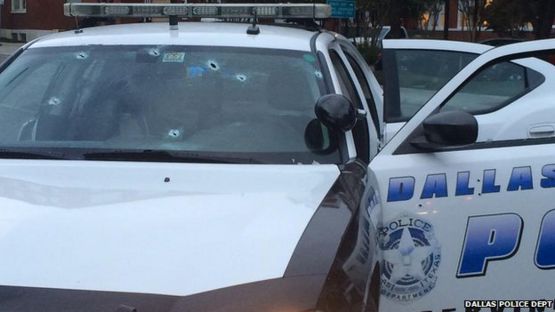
{"x": 502, "y": 305}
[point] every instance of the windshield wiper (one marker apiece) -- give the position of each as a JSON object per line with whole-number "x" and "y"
{"x": 30, "y": 154}
{"x": 167, "y": 156}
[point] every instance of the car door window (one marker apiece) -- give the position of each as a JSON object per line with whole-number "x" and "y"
{"x": 365, "y": 89}
{"x": 416, "y": 76}
{"x": 494, "y": 87}
{"x": 345, "y": 81}
{"x": 349, "y": 89}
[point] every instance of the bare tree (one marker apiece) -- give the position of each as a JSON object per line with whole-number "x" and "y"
{"x": 472, "y": 11}
{"x": 434, "y": 10}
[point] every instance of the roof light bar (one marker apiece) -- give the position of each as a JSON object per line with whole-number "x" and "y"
{"x": 235, "y": 10}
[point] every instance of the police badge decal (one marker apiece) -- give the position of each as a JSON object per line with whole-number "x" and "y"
{"x": 411, "y": 258}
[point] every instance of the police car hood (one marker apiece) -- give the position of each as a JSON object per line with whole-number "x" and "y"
{"x": 174, "y": 229}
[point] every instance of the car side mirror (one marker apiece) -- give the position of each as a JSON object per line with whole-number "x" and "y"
{"x": 336, "y": 112}
{"x": 447, "y": 129}
{"x": 318, "y": 139}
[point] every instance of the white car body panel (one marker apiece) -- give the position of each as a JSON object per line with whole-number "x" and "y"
{"x": 200, "y": 34}
{"x": 117, "y": 226}
{"x": 427, "y": 44}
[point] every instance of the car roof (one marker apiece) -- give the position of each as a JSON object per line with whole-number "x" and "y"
{"x": 189, "y": 33}
{"x": 430, "y": 44}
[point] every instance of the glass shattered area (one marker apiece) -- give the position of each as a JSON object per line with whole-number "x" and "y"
{"x": 242, "y": 101}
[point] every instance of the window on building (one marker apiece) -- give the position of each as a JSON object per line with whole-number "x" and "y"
{"x": 19, "y": 6}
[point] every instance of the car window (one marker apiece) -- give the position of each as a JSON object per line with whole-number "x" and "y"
{"x": 253, "y": 103}
{"x": 365, "y": 89}
{"x": 494, "y": 87}
{"x": 345, "y": 80}
{"x": 360, "y": 131}
{"x": 417, "y": 75}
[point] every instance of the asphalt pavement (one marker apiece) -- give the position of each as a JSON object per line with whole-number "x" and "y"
{"x": 7, "y": 48}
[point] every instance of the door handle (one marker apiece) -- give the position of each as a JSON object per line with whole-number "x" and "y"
{"x": 542, "y": 131}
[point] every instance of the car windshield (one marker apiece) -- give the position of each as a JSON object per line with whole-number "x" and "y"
{"x": 239, "y": 104}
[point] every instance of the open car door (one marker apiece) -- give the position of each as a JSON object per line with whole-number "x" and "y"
{"x": 460, "y": 218}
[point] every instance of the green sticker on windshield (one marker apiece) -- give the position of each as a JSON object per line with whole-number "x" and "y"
{"x": 309, "y": 58}
{"x": 174, "y": 57}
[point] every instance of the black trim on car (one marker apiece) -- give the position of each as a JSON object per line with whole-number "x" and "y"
{"x": 334, "y": 243}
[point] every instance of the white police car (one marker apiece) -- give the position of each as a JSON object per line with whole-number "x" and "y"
{"x": 188, "y": 168}
{"x": 148, "y": 167}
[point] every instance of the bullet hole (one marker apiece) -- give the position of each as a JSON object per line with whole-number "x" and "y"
{"x": 241, "y": 77}
{"x": 318, "y": 74}
{"x": 82, "y": 55}
{"x": 213, "y": 65}
{"x": 54, "y": 101}
{"x": 154, "y": 52}
{"x": 174, "y": 133}
{"x": 419, "y": 205}
{"x": 167, "y": 179}
{"x": 478, "y": 180}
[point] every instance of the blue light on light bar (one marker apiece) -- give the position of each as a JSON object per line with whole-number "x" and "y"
{"x": 278, "y": 10}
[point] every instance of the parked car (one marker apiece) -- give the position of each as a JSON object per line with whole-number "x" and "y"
{"x": 414, "y": 70}
{"x": 184, "y": 167}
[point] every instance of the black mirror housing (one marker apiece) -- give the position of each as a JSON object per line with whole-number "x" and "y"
{"x": 448, "y": 129}
{"x": 336, "y": 112}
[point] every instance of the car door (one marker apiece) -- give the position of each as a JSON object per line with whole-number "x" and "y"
{"x": 414, "y": 70}
{"x": 472, "y": 222}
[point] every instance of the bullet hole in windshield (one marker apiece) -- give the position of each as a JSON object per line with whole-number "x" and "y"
{"x": 318, "y": 74}
{"x": 54, "y": 101}
{"x": 241, "y": 77}
{"x": 154, "y": 52}
{"x": 174, "y": 133}
{"x": 213, "y": 65}
{"x": 82, "y": 55}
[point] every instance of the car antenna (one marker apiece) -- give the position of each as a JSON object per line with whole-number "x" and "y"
{"x": 78, "y": 29}
{"x": 174, "y": 22}
{"x": 254, "y": 29}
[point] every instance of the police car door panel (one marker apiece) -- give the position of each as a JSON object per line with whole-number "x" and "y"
{"x": 474, "y": 223}
{"x": 466, "y": 225}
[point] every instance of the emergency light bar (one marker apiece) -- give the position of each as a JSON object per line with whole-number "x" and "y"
{"x": 213, "y": 10}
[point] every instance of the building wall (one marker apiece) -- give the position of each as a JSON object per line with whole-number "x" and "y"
{"x": 41, "y": 14}
{"x": 41, "y": 17}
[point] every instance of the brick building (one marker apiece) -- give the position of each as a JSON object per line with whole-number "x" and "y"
{"x": 24, "y": 20}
